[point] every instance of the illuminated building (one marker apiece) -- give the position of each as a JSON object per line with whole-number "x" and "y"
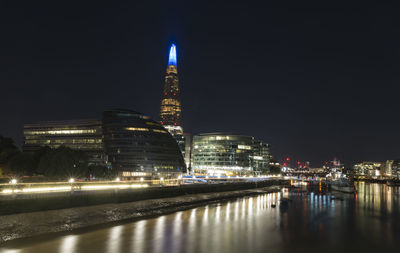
{"x": 261, "y": 156}
{"x": 369, "y": 169}
{"x": 128, "y": 142}
{"x": 170, "y": 111}
{"x": 395, "y": 169}
{"x": 229, "y": 154}
{"x": 85, "y": 135}
{"x": 137, "y": 146}
{"x": 387, "y": 168}
{"x": 188, "y": 149}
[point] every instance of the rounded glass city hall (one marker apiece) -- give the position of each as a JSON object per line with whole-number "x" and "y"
{"x": 138, "y": 146}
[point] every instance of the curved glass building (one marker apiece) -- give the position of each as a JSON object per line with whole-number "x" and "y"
{"x": 127, "y": 142}
{"x": 140, "y": 147}
{"x": 229, "y": 154}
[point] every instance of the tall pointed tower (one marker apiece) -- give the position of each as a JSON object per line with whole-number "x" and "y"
{"x": 170, "y": 112}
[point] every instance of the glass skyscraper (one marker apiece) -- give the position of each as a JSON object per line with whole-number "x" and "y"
{"x": 170, "y": 111}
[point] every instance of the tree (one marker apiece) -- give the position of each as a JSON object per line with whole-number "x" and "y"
{"x": 22, "y": 164}
{"x": 7, "y": 151}
{"x": 64, "y": 162}
{"x": 275, "y": 170}
{"x": 102, "y": 172}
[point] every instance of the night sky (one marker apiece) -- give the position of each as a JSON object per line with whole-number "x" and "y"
{"x": 315, "y": 83}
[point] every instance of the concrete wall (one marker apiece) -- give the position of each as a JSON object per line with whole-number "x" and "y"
{"x": 22, "y": 203}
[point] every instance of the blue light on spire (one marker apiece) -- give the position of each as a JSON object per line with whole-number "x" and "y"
{"x": 172, "y": 55}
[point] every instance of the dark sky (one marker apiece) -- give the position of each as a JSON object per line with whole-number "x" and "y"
{"x": 315, "y": 83}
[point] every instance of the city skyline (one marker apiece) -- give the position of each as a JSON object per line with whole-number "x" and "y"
{"x": 181, "y": 126}
{"x": 311, "y": 95}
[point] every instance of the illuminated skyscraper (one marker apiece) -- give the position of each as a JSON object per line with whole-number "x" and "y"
{"x": 170, "y": 112}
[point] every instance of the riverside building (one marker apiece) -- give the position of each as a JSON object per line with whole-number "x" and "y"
{"x": 138, "y": 146}
{"x": 85, "y": 135}
{"x": 368, "y": 169}
{"x": 229, "y": 154}
{"x": 128, "y": 142}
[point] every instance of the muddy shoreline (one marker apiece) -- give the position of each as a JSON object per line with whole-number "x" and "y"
{"x": 24, "y": 225}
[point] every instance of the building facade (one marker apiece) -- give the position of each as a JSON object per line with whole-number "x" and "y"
{"x": 188, "y": 150}
{"x": 229, "y": 154}
{"x": 261, "y": 157}
{"x": 171, "y": 109}
{"x": 127, "y": 142}
{"x": 395, "y": 169}
{"x": 140, "y": 147}
{"x": 368, "y": 169}
{"x": 387, "y": 169}
{"x": 85, "y": 135}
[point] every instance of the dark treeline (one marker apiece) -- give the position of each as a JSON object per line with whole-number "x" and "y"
{"x": 62, "y": 162}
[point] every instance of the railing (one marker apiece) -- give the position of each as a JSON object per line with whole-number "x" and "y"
{"x": 15, "y": 187}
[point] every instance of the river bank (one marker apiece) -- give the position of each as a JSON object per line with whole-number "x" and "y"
{"x": 22, "y": 225}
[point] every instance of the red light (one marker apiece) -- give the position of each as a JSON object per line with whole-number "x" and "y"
{"x": 284, "y": 164}
{"x": 287, "y": 158}
{"x": 174, "y": 94}
{"x": 298, "y": 162}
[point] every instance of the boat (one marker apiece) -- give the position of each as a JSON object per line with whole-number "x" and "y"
{"x": 342, "y": 184}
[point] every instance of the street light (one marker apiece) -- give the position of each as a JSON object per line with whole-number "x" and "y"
{"x": 13, "y": 181}
{"x": 71, "y": 180}
{"x": 117, "y": 179}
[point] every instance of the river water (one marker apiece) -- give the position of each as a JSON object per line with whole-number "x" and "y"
{"x": 311, "y": 220}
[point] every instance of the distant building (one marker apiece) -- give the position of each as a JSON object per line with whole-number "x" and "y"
{"x": 387, "y": 168}
{"x": 396, "y": 169}
{"x": 85, "y": 135}
{"x": 368, "y": 169}
{"x": 229, "y": 154}
{"x": 260, "y": 157}
{"x": 171, "y": 110}
{"x": 125, "y": 141}
{"x": 334, "y": 167}
{"x": 188, "y": 149}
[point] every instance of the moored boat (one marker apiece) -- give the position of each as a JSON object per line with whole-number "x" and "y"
{"x": 342, "y": 185}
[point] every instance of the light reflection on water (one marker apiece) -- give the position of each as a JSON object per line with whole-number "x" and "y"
{"x": 308, "y": 222}
{"x": 68, "y": 244}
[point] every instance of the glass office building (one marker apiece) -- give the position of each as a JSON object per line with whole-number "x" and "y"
{"x": 140, "y": 147}
{"x": 128, "y": 142}
{"x": 85, "y": 135}
{"x": 229, "y": 154}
